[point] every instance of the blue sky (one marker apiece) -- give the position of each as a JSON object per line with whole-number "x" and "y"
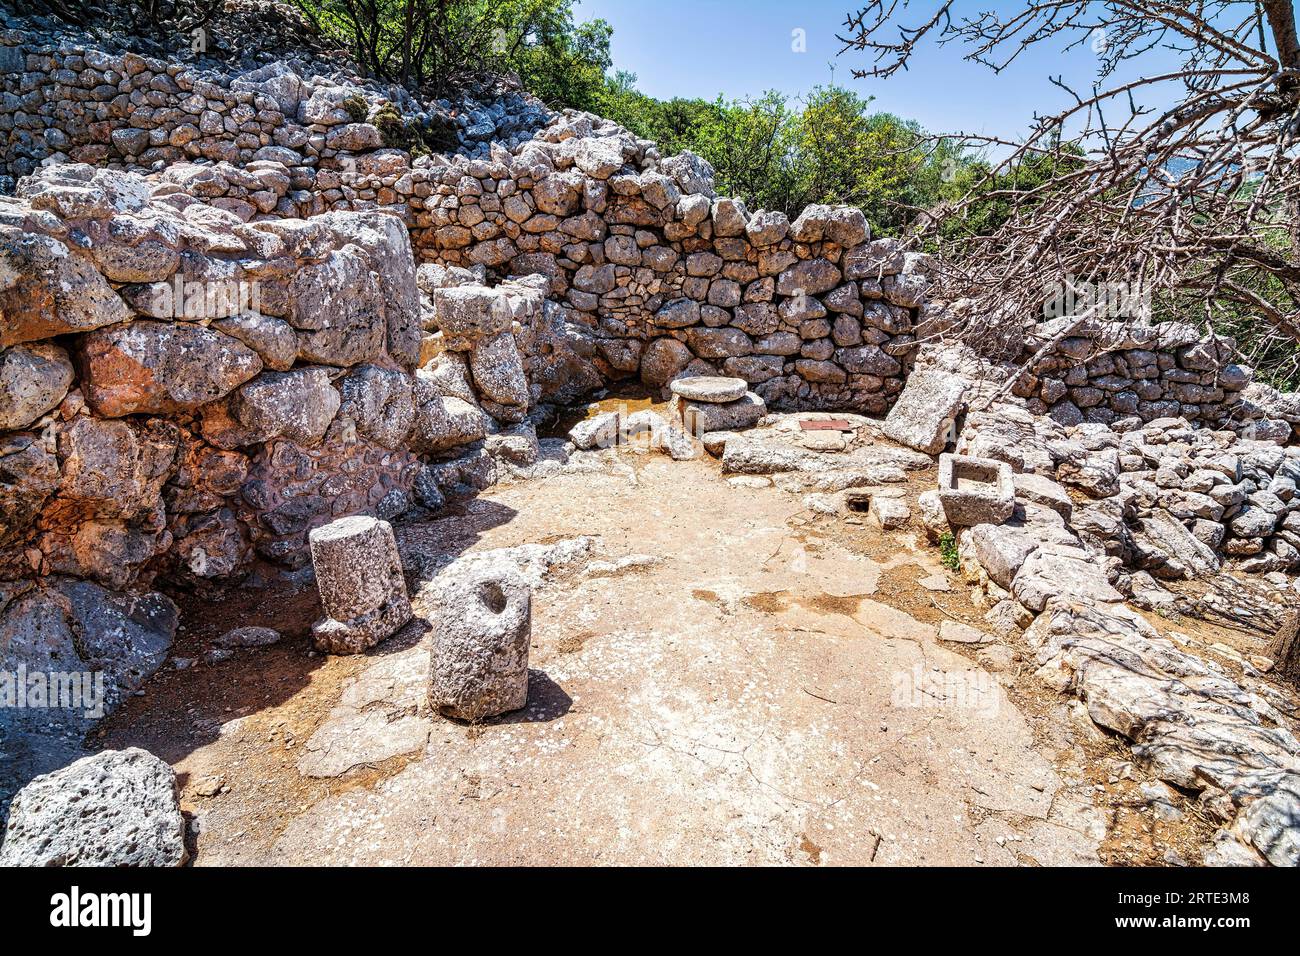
{"x": 705, "y": 47}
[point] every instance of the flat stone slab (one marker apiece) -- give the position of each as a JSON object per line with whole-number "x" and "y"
{"x": 709, "y": 388}
{"x": 955, "y": 632}
{"x": 924, "y": 414}
{"x": 825, "y": 425}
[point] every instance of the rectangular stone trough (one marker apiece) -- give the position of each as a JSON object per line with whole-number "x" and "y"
{"x": 975, "y": 490}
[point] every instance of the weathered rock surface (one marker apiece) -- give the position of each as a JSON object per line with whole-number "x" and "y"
{"x": 443, "y": 422}
{"x": 701, "y": 417}
{"x": 297, "y": 405}
{"x": 362, "y": 588}
{"x": 926, "y": 411}
{"x": 116, "y": 808}
{"x": 46, "y": 289}
{"x": 1193, "y": 726}
{"x": 33, "y": 379}
{"x": 481, "y": 634}
{"x": 1060, "y": 571}
{"x": 161, "y": 367}
{"x": 380, "y": 402}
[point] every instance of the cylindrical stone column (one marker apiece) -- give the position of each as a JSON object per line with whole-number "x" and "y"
{"x": 359, "y": 575}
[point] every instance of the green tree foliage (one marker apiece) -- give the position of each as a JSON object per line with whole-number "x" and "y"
{"x": 778, "y": 154}
{"x": 437, "y": 45}
{"x": 773, "y": 152}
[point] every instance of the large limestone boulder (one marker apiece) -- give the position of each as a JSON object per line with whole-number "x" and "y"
{"x": 276, "y": 80}
{"x": 470, "y": 312}
{"x": 110, "y": 642}
{"x": 662, "y": 360}
{"x": 298, "y": 405}
{"x": 1062, "y": 571}
{"x": 481, "y": 631}
{"x": 116, "y": 808}
{"x": 387, "y": 241}
{"x": 599, "y": 431}
{"x": 809, "y": 277}
{"x": 599, "y": 158}
{"x": 46, "y": 289}
{"x": 271, "y": 338}
{"x": 498, "y": 372}
{"x": 692, "y": 173}
{"x": 926, "y": 412}
{"x": 161, "y": 367}
{"x": 33, "y": 379}
{"x": 843, "y": 225}
{"x": 107, "y": 519}
{"x": 338, "y": 309}
{"x": 380, "y": 403}
{"x": 443, "y": 422}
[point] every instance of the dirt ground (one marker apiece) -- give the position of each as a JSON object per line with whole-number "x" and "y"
{"x": 759, "y": 683}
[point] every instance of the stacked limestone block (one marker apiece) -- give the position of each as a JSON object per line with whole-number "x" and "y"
{"x": 1104, "y": 372}
{"x": 710, "y": 403}
{"x": 659, "y": 274}
{"x": 180, "y": 389}
{"x": 664, "y": 277}
{"x": 1099, "y": 513}
{"x": 105, "y": 100}
{"x": 1165, "y": 497}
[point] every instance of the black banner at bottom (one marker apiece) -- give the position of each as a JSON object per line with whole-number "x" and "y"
{"x": 225, "y": 906}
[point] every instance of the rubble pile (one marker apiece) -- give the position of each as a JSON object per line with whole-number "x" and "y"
{"x": 1063, "y": 524}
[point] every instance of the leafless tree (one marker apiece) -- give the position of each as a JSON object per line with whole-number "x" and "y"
{"x": 1185, "y": 182}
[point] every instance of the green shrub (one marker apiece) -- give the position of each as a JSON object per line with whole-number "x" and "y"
{"x": 948, "y": 551}
{"x": 357, "y": 108}
{"x": 397, "y": 133}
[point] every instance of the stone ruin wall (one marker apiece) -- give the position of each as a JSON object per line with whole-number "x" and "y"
{"x": 1108, "y": 372}
{"x": 659, "y": 274}
{"x": 63, "y": 99}
{"x": 139, "y": 441}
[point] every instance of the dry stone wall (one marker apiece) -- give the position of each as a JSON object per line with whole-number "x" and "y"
{"x": 207, "y": 356}
{"x": 182, "y": 391}
{"x": 67, "y": 97}
{"x": 182, "y": 387}
{"x": 659, "y": 275}
{"x": 1105, "y": 372}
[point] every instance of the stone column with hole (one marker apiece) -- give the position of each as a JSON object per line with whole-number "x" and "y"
{"x": 359, "y": 574}
{"x": 481, "y": 630}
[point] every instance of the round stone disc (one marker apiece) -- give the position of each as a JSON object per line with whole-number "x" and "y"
{"x": 709, "y": 388}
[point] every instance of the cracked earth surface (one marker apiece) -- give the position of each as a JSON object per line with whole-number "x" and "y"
{"x": 758, "y": 684}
